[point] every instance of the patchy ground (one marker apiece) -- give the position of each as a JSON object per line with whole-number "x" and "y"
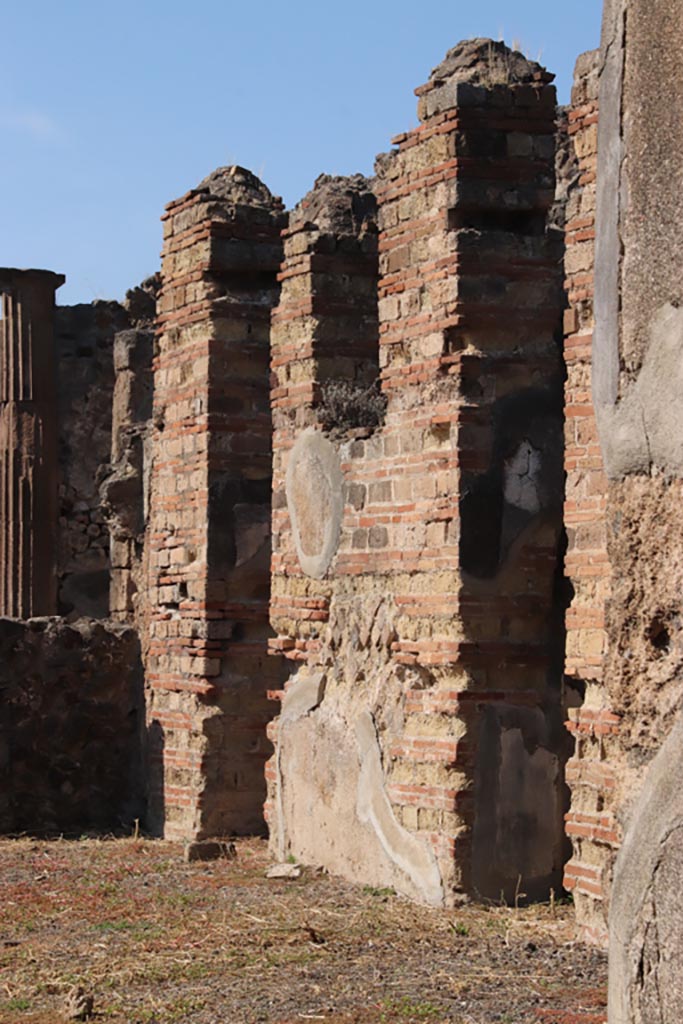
{"x": 158, "y": 941}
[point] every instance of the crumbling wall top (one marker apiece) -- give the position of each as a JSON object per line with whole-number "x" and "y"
{"x": 471, "y": 69}
{"x": 485, "y": 62}
{"x": 239, "y": 186}
{"x": 227, "y": 193}
{"x": 339, "y": 205}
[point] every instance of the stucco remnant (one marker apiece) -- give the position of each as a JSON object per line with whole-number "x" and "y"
{"x": 315, "y": 502}
{"x": 373, "y": 807}
{"x": 638, "y": 292}
{"x": 643, "y": 431}
{"x": 646, "y": 927}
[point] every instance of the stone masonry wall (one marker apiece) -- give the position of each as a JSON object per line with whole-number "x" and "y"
{"x": 208, "y": 539}
{"x": 124, "y": 491}
{"x": 85, "y": 371}
{"x": 590, "y": 773}
{"x": 420, "y": 742}
{"x": 87, "y": 401}
{"x": 71, "y": 718}
{"x": 627, "y": 487}
{"x": 636, "y": 383}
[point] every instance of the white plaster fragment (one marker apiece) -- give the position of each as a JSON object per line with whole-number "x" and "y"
{"x": 303, "y": 695}
{"x": 409, "y": 853}
{"x": 521, "y": 478}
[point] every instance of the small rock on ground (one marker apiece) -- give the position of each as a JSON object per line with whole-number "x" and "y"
{"x": 284, "y": 871}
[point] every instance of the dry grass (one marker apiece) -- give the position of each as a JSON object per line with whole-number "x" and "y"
{"x": 157, "y": 941}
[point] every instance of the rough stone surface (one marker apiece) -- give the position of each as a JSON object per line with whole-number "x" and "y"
{"x": 605, "y": 356}
{"x": 85, "y": 346}
{"x": 644, "y": 659}
{"x": 472, "y": 68}
{"x": 124, "y": 491}
{"x": 71, "y": 725}
{"x": 288, "y": 871}
{"x": 643, "y": 430}
{"x": 652, "y": 176}
{"x": 234, "y": 186}
{"x": 339, "y": 206}
{"x": 624, "y": 557}
{"x": 141, "y": 302}
{"x": 641, "y": 211}
{"x": 646, "y": 928}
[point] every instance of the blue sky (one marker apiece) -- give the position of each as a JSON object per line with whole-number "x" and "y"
{"x": 111, "y": 108}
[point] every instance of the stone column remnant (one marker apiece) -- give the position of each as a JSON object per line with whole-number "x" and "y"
{"x": 28, "y": 443}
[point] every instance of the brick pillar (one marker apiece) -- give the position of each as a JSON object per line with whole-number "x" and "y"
{"x": 590, "y": 775}
{"x": 209, "y": 516}
{"x": 415, "y": 552}
{"x": 471, "y": 318}
{"x": 324, "y": 357}
{"x": 28, "y": 443}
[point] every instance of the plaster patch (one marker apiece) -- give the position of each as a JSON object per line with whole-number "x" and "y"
{"x": 303, "y": 695}
{"x": 522, "y": 475}
{"x": 645, "y": 429}
{"x": 314, "y": 499}
{"x": 635, "y": 902}
{"x": 373, "y": 808}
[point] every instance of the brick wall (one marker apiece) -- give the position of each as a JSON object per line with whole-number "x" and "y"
{"x": 590, "y": 823}
{"x": 414, "y": 561}
{"x": 208, "y": 532}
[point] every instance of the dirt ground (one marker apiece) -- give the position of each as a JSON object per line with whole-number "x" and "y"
{"x": 157, "y": 941}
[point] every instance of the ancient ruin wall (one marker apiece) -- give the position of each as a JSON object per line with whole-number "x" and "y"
{"x": 71, "y": 717}
{"x": 85, "y": 380}
{"x": 414, "y": 564}
{"x": 89, "y": 407}
{"x": 124, "y": 491}
{"x": 636, "y": 388}
{"x": 209, "y": 510}
{"x": 590, "y": 773}
{"x": 637, "y": 370}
